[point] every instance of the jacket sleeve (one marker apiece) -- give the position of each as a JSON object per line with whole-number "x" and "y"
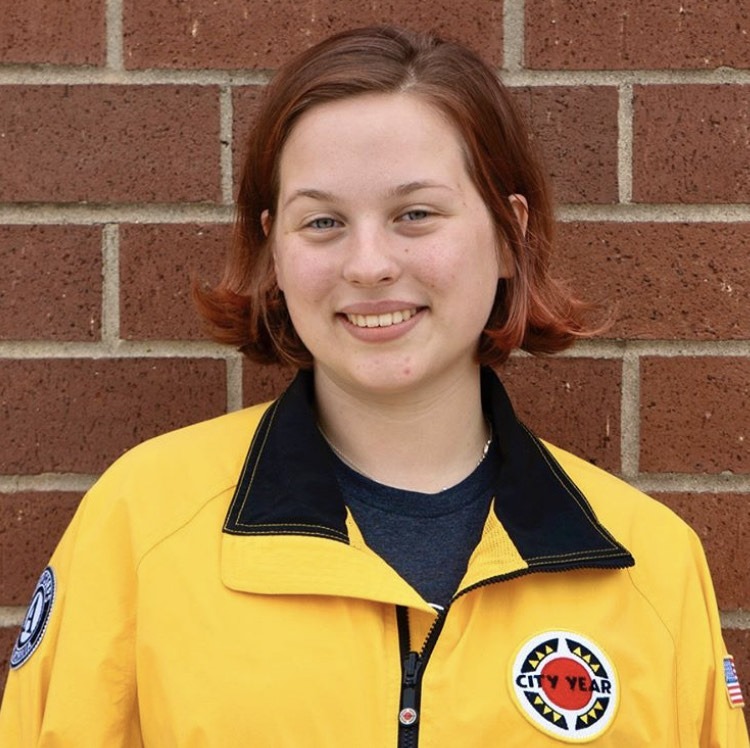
{"x": 706, "y": 715}
{"x": 77, "y": 687}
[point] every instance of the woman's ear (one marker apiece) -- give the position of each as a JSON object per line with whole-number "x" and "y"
{"x": 265, "y": 222}
{"x": 521, "y": 209}
{"x": 506, "y": 261}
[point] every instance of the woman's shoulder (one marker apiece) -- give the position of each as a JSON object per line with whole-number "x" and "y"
{"x": 650, "y": 530}
{"x": 163, "y": 482}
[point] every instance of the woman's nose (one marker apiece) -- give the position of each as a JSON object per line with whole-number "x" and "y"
{"x": 370, "y": 259}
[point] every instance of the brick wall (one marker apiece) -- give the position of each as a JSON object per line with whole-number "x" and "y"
{"x": 121, "y": 127}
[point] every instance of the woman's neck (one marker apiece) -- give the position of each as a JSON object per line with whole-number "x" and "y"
{"x": 423, "y": 441}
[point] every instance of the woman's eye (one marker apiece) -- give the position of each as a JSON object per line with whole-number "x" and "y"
{"x": 322, "y": 224}
{"x": 415, "y": 215}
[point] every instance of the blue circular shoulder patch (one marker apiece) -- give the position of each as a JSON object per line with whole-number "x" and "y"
{"x": 35, "y": 623}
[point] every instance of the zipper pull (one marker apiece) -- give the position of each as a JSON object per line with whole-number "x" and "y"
{"x": 408, "y": 714}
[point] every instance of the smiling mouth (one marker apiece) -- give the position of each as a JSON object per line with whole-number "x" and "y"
{"x": 381, "y": 320}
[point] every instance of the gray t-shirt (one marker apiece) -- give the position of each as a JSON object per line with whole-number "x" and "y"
{"x": 426, "y": 538}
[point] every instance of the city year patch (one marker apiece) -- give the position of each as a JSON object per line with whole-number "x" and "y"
{"x": 35, "y": 622}
{"x": 565, "y": 686}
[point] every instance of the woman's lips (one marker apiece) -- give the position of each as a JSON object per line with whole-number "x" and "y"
{"x": 387, "y": 319}
{"x": 382, "y": 327}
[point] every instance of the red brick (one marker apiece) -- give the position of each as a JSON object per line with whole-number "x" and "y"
{"x": 263, "y": 383}
{"x": 738, "y": 645}
{"x": 575, "y": 128}
{"x": 31, "y": 525}
{"x": 109, "y": 144}
{"x": 50, "y": 288}
{"x": 662, "y": 280}
{"x": 51, "y": 32}
{"x": 245, "y": 105}
{"x": 573, "y": 403}
{"x": 690, "y": 143}
{"x": 157, "y": 266}
{"x": 723, "y": 523}
{"x": 258, "y": 34}
{"x": 78, "y": 415}
{"x": 695, "y": 414}
{"x": 591, "y": 35}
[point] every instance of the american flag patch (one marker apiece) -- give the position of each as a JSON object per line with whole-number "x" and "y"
{"x": 733, "y": 683}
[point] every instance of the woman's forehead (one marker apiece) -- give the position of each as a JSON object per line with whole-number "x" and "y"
{"x": 392, "y": 139}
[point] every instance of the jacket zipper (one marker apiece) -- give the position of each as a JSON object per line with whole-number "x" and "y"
{"x": 413, "y": 665}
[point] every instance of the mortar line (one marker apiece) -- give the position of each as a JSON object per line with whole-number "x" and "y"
{"x": 88, "y": 214}
{"x": 226, "y": 113}
{"x": 651, "y": 483}
{"x": 630, "y": 414}
{"x": 654, "y": 483}
{"x": 656, "y": 213}
{"x": 234, "y": 384}
{"x": 114, "y": 36}
{"x": 29, "y": 350}
{"x": 625, "y": 143}
{"x": 67, "y": 75}
{"x": 11, "y": 616}
{"x": 69, "y": 482}
{"x": 110, "y": 284}
{"x": 513, "y": 35}
{"x": 615, "y": 349}
{"x": 735, "y": 619}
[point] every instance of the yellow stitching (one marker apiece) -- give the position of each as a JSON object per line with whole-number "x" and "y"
{"x": 302, "y": 534}
{"x": 577, "y": 554}
{"x": 567, "y": 490}
{"x": 296, "y": 524}
{"x": 245, "y": 467}
{"x": 273, "y": 410}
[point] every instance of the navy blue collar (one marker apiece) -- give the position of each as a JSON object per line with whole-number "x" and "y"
{"x": 288, "y": 486}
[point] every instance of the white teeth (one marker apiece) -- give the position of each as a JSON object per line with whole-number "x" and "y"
{"x": 381, "y": 320}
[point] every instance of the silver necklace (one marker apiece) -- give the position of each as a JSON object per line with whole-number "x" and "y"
{"x": 353, "y": 465}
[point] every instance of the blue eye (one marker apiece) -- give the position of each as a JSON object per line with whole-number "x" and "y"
{"x": 415, "y": 215}
{"x": 324, "y": 223}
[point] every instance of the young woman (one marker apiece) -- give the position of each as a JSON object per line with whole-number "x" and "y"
{"x": 368, "y": 561}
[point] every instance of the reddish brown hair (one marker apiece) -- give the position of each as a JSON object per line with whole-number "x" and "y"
{"x": 531, "y": 310}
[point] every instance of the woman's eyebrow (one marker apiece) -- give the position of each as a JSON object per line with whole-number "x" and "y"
{"x": 311, "y": 193}
{"x": 398, "y": 191}
{"x": 409, "y": 187}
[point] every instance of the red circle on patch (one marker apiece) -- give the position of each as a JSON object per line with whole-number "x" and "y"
{"x": 566, "y": 683}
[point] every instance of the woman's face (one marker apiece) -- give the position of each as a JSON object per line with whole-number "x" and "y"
{"x": 383, "y": 248}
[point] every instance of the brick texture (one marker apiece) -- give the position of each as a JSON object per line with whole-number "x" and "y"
{"x": 79, "y": 415}
{"x": 257, "y": 34}
{"x": 263, "y": 383}
{"x": 573, "y": 403}
{"x": 695, "y": 414}
{"x": 723, "y": 523}
{"x": 30, "y": 526}
{"x": 50, "y": 287}
{"x": 592, "y": 35}
{"x": 245, "y": 105}
{"x": 109, "y": 144}
{"x": 690, "y": 144}
{"x": 51, "y": 32}
{"x": 662, "y": 280}
{"x": 158, "y": 263}
{"x": 576, "y": 131}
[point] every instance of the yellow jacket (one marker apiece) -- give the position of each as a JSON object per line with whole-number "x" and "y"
{"x": 188, "y": 607}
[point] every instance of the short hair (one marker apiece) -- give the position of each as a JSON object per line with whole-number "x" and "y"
{"x": 531, "y": 311}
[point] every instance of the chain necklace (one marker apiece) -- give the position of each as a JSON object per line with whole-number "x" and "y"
{"x": 353, "y": 465}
